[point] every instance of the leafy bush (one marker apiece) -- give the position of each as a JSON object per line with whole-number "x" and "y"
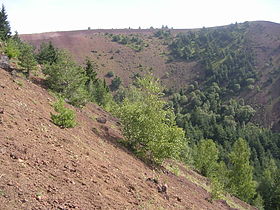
{"x": 65, "y": 117}
{"x": 12, "y": 48}
{"x": 133, "y": 42}
{"x": 148, "y": 124}
{"x": 206, "y": 157}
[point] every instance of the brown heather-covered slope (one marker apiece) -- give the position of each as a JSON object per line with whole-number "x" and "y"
{"x": 45, "y": 167}
{"x": 264, "y": 37}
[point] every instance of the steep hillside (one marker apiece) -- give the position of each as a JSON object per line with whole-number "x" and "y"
{"x": 46, "y": 167}
{"x": 262, "y": 38}
{"x": 111, "y": 56}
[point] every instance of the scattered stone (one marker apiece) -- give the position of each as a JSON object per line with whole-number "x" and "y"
{"x": 13, "y": 156}
{"x": 39, "y": 197}
{"x": 162, "y": 188}
{"x": 10, "y": 184}
{"x": 131, "y": 188}
{"x": 101, "y": 120}
{"x": 153, "y": 180}
{"x": 1, "y": 110}
{"x": 178, "y": 199}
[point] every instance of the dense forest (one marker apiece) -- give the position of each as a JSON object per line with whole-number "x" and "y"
{"x": 208, "y": 109}
{"x": 205, "y": 125}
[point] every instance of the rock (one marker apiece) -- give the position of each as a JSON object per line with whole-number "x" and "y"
{"x": 10, "y": 184}
{"x": 101, "y": 120}
{"x": 162, "y": 188}
{"x": 13, "y": 156}
{"x": 1, "y": 110}
{"x": 178, "y": 199}
{"x": 5, "y": 62}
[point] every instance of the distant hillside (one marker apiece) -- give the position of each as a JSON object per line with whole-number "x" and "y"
{"x": 262, "y": 38}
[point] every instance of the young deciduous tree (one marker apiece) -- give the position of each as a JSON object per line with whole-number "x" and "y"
{"x": 241, "y": 174}
{"x": 148, "y": 124}
{"x": 206, "y": 156}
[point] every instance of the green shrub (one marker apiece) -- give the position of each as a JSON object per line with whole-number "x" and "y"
{"x": 116, "y": 82}
{"x": 12, "y": 49}
{"x": 148, "y": 124}
{"x": 110, "y": 74}
{"x": 65, "y": 117}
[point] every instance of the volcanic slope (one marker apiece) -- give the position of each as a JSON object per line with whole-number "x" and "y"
{"x": 262, "y": 37}
{"x": 46, "y": 167}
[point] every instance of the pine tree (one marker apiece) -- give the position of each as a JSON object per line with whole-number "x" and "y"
{"x": 90, "y": 69}
{"x": 27, "y": 58}
{"x": 241, "y": 174}
{"x": 67, "y": 78}
{"x": 5, "y": 29}
{"x": 48, "y": 54}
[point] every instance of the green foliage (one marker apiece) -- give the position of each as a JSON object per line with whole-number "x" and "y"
{"x": 134, "y": 42}
{"x": 241, "y": 172}
{"x": 163, "y": 34}
{"x": 97, "y": 89}
{"x": 27, "y": 58}
{"x": 65, "y": 117}
{"x": 206, "y": 157}
{"x": 210, "y": 110}
{"x": 110, "y": 74}
{"x": 222, "y": 52}
{"x": 12, "y": 49}
{"x": 116, "y": 82}
{"x": 47, "y": 54}
{"x": 270, "y": 186}
{"x": 217, "y": 189}
{"x": 101, "y": 94}
{"x": 67, "y": 78}
{"x": 5, "y": 29}
{"x": 91, "y": 69}
{"x": 148, "y": 124}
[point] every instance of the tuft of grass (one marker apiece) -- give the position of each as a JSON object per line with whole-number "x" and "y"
{"x": 174, "y": 169}
{"x": 18, "y": 82}
{"x": 2, "y": 193}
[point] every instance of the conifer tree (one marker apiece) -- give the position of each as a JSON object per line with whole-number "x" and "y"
{"x": 27, "y": 58}
{"x": 67, "y": 78}
{"x": 5, "y": 29}
{"x": 48, "y": 54}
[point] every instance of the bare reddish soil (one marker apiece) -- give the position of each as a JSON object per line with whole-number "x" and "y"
{"x": 45, "y": 167}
